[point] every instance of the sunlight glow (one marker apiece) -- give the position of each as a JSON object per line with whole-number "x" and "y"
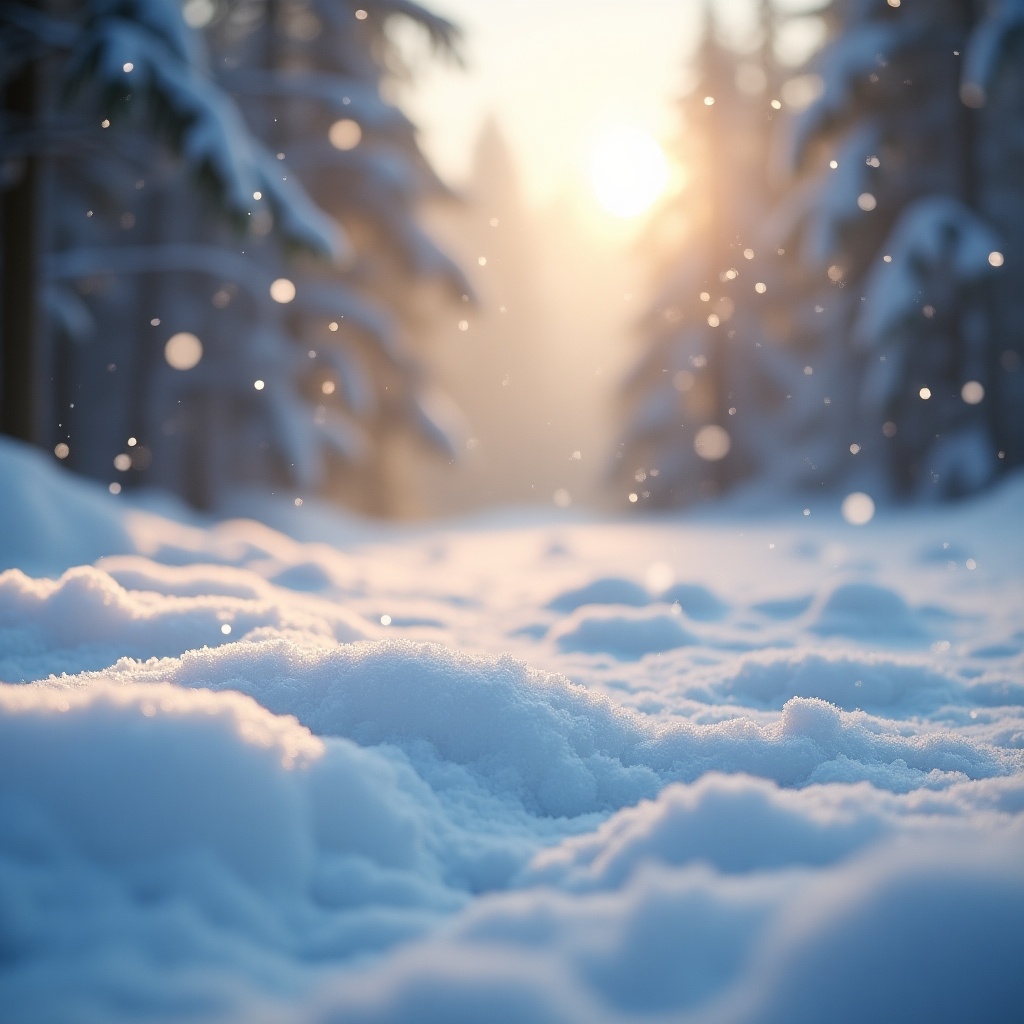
{"x": 628, "y": 171}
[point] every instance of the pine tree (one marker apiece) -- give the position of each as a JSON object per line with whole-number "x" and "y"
{"x": 886, "y": 353}
{"x": 101, "y": 91}
{"x": 311, "y": 76}
{"x": 68, "y": 74}
{"x": 905, "y": 221}
{"x": 684, "y": 435}
{"x": 293, "y": 364}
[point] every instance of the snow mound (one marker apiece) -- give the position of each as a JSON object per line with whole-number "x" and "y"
{"x": 87, "y": 619}
{"x": 899, "y": 931}
{"x": 628, "y": 635}
{"x": 735, "y": 823}
{"x": 242, "y": 859}
{"x": 221, "y": 845}
{"x": 608, "y": 590}
{"x": 877, "y": 682}
{"x": 51, "y": 520}
{"x": 553, "y": 748}
{"x": 257, "y": 794}
{"x": 866, "y": 611}
{"x": 306, "y": 576}
{"x": 696, "y": 601}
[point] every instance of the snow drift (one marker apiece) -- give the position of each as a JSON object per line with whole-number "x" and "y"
{"x": 497, "y": 775}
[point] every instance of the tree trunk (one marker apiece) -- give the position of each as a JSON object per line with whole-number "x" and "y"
{"x": 18, "y": 269}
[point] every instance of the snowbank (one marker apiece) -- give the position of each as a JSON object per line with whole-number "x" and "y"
{"x": 566, "y": 773}
{"x": 49, "y": 520}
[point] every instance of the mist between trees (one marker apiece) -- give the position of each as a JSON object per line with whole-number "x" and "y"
{"x": 218, "y": 275}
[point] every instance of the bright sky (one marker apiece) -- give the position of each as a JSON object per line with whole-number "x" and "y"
{"x": 558, "y": 74}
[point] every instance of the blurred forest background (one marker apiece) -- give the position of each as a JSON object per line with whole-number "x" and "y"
{"x": 227, "y": 263}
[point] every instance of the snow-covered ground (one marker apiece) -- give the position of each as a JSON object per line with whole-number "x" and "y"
{"x": 732, "y": 770}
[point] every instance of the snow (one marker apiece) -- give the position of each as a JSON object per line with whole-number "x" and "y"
{"x": 934, "y": 235}
{"x": 143, "y": 48}
{"x": 705, "y": 769}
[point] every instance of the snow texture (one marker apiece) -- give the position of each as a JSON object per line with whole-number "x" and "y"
{"x": 726, "y": 771}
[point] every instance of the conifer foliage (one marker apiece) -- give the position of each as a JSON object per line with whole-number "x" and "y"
{"x": 683, "y": 438}
{"x": 225, "y": 225}
{"x": 907, "y": 211}
{"x": 884, "y": 351}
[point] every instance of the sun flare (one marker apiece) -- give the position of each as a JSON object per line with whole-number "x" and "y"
{"x": 628, "y": 171}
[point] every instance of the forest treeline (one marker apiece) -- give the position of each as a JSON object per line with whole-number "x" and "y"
{"x": 213, "y": 269}
{"x": 215, "y": 274}
{"x": 841, "y": 298}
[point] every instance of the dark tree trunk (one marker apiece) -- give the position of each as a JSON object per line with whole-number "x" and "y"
{"x": 966, "y": 19}
{"x": 18, "y": 268}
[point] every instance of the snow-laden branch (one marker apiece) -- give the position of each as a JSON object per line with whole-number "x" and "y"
{"x": 986, "y": 48}
{"x": 183, "y": 257}
{"x": 842, "y": 67}
{"x": 936, "y": 235}
{"x": 142, "y": 52}
{"x": 359, "y": 100}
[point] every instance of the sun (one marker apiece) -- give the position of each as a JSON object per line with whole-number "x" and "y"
{"x": 628, "y": 171}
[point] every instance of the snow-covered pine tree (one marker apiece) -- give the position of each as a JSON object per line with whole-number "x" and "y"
{"x": 68, "y": 74}
{"x": 109, "y": 89}
{"x": 299, "y": 363}
{"x": 311, "y": 76}
{"x": 686, "y": 420}
{"x": 908, "y": 214}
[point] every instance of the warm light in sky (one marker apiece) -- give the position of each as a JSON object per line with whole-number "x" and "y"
{"x": 628, "y": 171}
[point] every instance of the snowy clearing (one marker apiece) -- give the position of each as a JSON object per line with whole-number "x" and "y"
{"x": 754, "y": 769}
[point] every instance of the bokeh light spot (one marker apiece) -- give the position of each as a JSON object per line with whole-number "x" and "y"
{"x": 712, "y": 443}
{"x": 345, "y": 134}
{"x": 972, "y": 392}
{"x": 282, "y": 290}
{"x": 183, "y": 351}
{"x": 858, "y": 508}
